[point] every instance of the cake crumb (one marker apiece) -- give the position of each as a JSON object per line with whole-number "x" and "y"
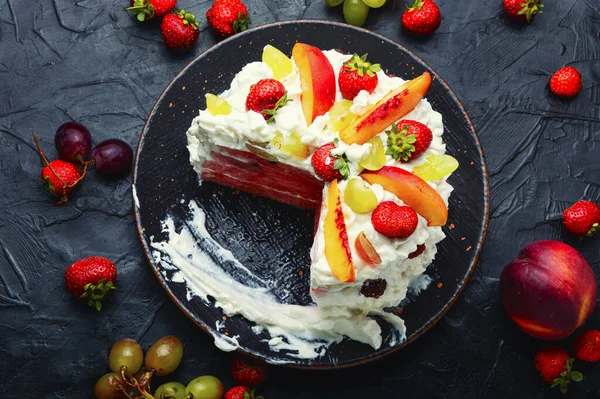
{"x": 300, "y": 273}
{"x": 399, "y": 309}
{"x": 440, "y": 285}
{"x": 224, "y": 318}
{"x": 463, "y": 238}
{"x": 468, "y": 249}
{"x": 227, "y": 333}
{"x": 451, "y": 225}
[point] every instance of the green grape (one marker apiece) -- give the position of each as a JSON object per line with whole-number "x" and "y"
{"x": 355, "y": 12}
{"x": 126, "y": 352}
{"x": 205, "y": 387}
{"x": 359, "y": 197}
{"x": 107, "y": 387}
{"x": 375, "y": 3}
{"x": 171, "y": 390}
{"x": 334, "y": 3}
{"x": 376, "y": 157}
{"x": 436, "y": 167}
{"x": 164, "y": 356}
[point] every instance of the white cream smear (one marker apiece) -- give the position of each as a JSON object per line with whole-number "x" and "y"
{"x": 187, "y": 257}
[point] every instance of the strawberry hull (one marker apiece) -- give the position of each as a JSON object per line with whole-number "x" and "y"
{"x": 251, "y": 173}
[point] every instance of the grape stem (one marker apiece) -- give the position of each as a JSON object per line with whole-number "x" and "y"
{"x": 63, "y": 199}
{"x": 132, "y": 382}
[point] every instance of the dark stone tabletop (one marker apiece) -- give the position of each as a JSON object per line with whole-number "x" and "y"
{"x": 88, "y": 61}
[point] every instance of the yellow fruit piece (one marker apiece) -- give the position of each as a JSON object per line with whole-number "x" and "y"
{"x": 277, "y": 61}
{"x": 376, "y": 157}
{"x": 340, "y": 116}
{"x": 217, "y": 106}
{"x": 291, "y": 144}
{"x": 436, "y": 167}
{"x": 359, "y": 197}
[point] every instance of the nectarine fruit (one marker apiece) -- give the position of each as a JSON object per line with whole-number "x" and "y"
{"x": 549, "y": 290}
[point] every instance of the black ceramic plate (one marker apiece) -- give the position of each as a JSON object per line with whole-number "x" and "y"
{"x": 163, "y": 178}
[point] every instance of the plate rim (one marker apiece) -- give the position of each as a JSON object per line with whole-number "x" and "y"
{"x": 370, "y": 358}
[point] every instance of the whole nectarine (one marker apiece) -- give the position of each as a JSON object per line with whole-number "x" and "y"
{"x": 549, "y": 290}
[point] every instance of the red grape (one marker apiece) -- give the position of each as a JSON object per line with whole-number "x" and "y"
{"x": 112, "y": 157}
{"x": 73, "y": 142}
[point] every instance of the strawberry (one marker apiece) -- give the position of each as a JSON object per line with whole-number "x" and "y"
{"x": 566, "y": 82}
{"x": 357, "y": 74}
{"x": 91, "y": 279}
{"x": 523, "y": 10}
{"x": 582, "y": 218}
{"x": 60, "y": 177}
{"x": 555, "y": 366}
{"x": 146, "y": 9}
{"x": 266, "y": 97}
{"x": 179, "y": 31}
{"x": 248, "y": 372}
{"x": 421, "y": 18}
{"x": 327, "y": 166}
{"x": 393, "y": 220}
{"x": 241, "y": 392}
{"x": 587, "y": 346}
{"x": 420, "y": 249}
{"x": 407, "y": 140}
{"x": 228, "y": 17}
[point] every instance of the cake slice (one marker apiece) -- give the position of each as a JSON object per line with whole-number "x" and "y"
{"x": 262, "y": 134}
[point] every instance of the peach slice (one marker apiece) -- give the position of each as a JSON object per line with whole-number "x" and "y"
{"x": 412, "y": 190}
{"x": 337, "y": 248}
{"x": 317, "y": 80}
{"x": 365, "y": 250}
{"x": 388, "y": 110}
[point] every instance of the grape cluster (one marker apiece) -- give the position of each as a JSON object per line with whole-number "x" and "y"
{"x": 73, "y": 143}
{"x": 356, "y": 11}
{"x": 132, "y": 374}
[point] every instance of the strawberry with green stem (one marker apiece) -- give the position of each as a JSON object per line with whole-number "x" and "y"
{"x": 356, "y": 75}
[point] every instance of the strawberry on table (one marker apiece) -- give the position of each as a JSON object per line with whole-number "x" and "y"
{"x": 60, "y": 177}
{"x": 241, "y": 392}
{"x": 582, "y": 218}
{"x": 566, "y": 82}
{"x": 266, "y": 97}
{"x": 327, "y": 166}
{"x": 228, "y": 17}
{"x": 408, "y": 140}
{"x": 146, "y": 9}
{"x": 248, "y": 372}
{"x": 179, "y": 31}
{"x": 555, "y": 366}
{"x": 91, "y": 279}
{"x": 393, "y": 220}
{"x": 523, "y": 10}
{"x": 422, "y": 18}
{"x": 357, "y": 74}
{"x": 587, "y": 346}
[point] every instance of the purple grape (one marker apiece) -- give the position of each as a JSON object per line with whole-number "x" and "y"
{"x": 73, "y": 142}
{"x": 112, "y": 157}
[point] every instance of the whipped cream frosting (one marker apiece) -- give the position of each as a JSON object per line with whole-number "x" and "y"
{"x": 342, "y": 310}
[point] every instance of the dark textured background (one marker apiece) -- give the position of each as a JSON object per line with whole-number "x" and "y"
{"x": 89, "y": 61}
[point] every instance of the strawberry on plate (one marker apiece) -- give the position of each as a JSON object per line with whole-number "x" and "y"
{"x": 582, "y": 218}
{"x": 248, "y": 372}
{"x": 179, "y": 31}
{"x": 422, "y": 18}
{"x": 228, "y": 17}
{"x": 357, "y": 74}
{"x": 91, "y": 279}
{"x": 555, "y": 366}
{"x": 241, "y": 392}
{"x": 327, "y": 166}
{"x": 523, "y": 10}
{"x": 393, "y": 220}
{"x": 566, "y": 82}
{"x": 266, "y": 97}
{"x": 408, "y": 140}
{"x": 587, "y": 346}
{"x": 146, "y": 9}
